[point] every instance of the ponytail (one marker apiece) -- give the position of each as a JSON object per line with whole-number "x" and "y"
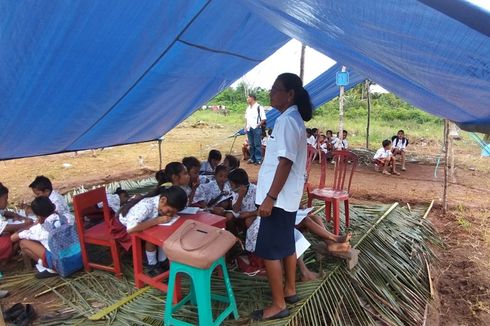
{"x": 3, "y": 190}
{"x": 171, "y": 169}
{"x": 301, "y": 98}
{"x": 176, "y": 198}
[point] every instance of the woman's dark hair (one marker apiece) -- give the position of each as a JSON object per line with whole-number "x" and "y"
{"x": 3, "y": 190}
{"x": 171, "y": 169}
{"x": 220, "y": 168}
{"x": 42, "y": 206}
{"x": 233, "y": 162}
{"x": 301, "y": 97}
{"x": 239, "y": 177}
{"x": 176, "y": 198}
{"x": 191, "y": 162}
{"x": 214, "y": 154}
{"x": 120, "y": 191}
{"x": 41, "y": 183}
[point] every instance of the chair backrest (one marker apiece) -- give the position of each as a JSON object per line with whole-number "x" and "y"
{"x": 311, "y": 154}
{"x": 344, "y": 167}
{"x": 87, "y": 203}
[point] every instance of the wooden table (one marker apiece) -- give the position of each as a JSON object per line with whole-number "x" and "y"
{"x": 157, "y": 236}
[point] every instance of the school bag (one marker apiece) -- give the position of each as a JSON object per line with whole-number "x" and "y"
{"x": 64, "y": 245}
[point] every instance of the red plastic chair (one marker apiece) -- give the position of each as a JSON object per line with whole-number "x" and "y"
{"x": 99, "y": 234}
{"x": 339, "y": 190}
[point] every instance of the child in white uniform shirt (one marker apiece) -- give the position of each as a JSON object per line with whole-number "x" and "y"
{"x": 34, "y": 241}
{"x": 215, "y": 193}
{"x": 400, "y": 144}
{"x": 207, "y": 167}
{"x": 42, "y": 186}
{"x": 341, "y": 144}
{"x": 155, "y": 208}
{"x": 385, "y": 158}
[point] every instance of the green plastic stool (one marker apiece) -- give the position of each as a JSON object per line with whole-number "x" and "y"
{"x": 200, "y": 293}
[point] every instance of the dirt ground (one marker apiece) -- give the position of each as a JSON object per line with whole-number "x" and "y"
{"x": 462, "y": 277}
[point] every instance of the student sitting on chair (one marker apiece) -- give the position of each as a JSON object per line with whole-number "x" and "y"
{"x": 385, "y": 158}
{"x": 231, "y": 162}
{"x": 400, "y": 144}
{"x": 243, "y": 202}
{"x": 42, "y": 187}
{"x": 117, "y": 199}
{"x": 340, "y": 143}
{"x": 34, "y": 242}
{"x": 157, "y": 207}
{"x": 175, "y": 174}
{"x": 207, "y": 167}
{"x": 216, "y": 194}
{"x": 193, "y": 167}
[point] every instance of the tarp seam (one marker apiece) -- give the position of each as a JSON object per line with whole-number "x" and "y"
{"x": 202, "y": 47}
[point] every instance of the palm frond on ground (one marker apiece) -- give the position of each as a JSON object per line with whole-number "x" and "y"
{"x": 390, "y": 284}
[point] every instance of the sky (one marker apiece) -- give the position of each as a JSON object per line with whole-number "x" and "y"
{"x": 287, "y": 59}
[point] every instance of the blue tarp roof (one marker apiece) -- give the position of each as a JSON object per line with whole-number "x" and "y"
{"x": 88, "y": 74}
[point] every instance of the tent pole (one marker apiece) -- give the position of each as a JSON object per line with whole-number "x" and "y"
{"x": 302, "y": 62}
{"x": 446, "y": 165}
{"x": 368, "y": 96}
{"x": 341, "y": 108}
{"x": 160, "y": 141}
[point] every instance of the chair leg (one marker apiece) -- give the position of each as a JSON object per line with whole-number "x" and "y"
{"x": 346, "y": 212}
{"x": 328, "y": 211}
{"x": 116, "y": 259}
{"x": 310, "y": 201}
{"x": 203, "y": 296}
{"x": 229, "y": 289}
{"x": 85, "y": 260}
{"x": 336, "y": 217}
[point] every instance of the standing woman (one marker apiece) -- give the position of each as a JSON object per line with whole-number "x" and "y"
{"x": 279, "y": 189}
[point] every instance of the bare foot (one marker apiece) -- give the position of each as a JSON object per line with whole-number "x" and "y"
{"x": 386, "y": 172}
{"x": 342, "y": 247}
{"x": 309, "y": 276}
{"x": 344, "y": 238}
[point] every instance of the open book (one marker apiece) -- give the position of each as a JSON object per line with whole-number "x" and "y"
{"x": 172, "y": 221}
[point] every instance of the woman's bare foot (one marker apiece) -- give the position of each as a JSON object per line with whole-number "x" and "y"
{"x": 309, "y": 276}
{"x": 344, "y": 238}
{"x": 336, "y": 247}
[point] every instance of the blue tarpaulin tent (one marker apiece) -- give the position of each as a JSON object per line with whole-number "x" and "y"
{"x": 88, "y": 74}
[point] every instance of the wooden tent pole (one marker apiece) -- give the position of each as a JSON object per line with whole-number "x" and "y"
{"x": 368, "y": 95}
{"x": 446, "y": 166}
{"x": 160, "y": 141}
{"x": 302, "y": 62}
{"x": 341, "y": 108}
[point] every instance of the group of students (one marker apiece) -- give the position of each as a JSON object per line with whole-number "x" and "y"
{"x": 326, "y": 143}
{"x": 385, "y": 157}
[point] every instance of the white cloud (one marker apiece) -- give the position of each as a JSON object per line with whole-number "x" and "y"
{"x": 287, "y": 59}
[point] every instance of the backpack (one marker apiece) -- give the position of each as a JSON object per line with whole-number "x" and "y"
{"x": 65, "y": 248}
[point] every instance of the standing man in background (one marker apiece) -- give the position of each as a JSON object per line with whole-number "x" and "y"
{"x": 255, "y": 119}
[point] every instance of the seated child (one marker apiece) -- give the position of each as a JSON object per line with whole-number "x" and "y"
{"x": 265, "y": 139}
{"x": 341, "y": 144}
{"x": 214, "y": 158}
{"x": 310, "y": 137}
{"x": 400, "y": 144}
{"x": 246, "y": 150}
{"x": 243, "y": 204}
{"x": 117, "y": 199}
{"x": 42, "y": 186}
{"x": 193, "y": 167}
{"x": 175, "y": 173}
{"x": 215, "y": 194}
{"x": 6, "y": 228}
{"x": 385, "y": 158}
{"x": 329, "y": 138}
{"x": 231, "y": 162}
{"x": 155, "y": 208}
{"x": 34, "y": 242}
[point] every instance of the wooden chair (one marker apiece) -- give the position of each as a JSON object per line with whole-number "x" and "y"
{"x": 99, "y": 234}
{"x": 340, "y": 188}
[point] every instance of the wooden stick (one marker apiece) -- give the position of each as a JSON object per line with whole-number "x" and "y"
{"x": 392, "y": 207}
{"x": 368, "y": 113}
{"x": 428, "y": 209}
{"x": 446, "y": 163}
{"x": 341, "y": 109}
{"x": 104, "y": 312}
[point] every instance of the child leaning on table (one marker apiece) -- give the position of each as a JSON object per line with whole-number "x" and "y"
{"x": 155, "y": 208}
{"x": 243, "y": 201}
{"x": 34, "y": 242}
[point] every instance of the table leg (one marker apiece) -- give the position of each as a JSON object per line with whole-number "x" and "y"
{"x": 137, "y": 261}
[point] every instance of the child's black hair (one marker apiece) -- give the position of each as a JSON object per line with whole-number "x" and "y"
{"x": 120, "y": 191}
{"x": 345, "y": 132}
{"x": 314, "y": 130}
{"x": 171, "y": 169}
{"x": 214, "y": 154}
{"x": 329, "y": 131}
{"x": 220, "y": 168}
{"x": 42, "y": 206}
{"x": 3, "y": 190}
{"x": 41, "y": 183}
{"x": 308, "y": 131}
{"x": 176, "y": 198}
{"x": 233, "y": 162}
{"x": 386, "y": 142}
{"x": 191, "y": 162}
{"x": 239, "y": 177}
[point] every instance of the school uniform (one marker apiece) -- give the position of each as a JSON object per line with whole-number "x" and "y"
{"x": 114, "y": 202}
{"x": 39, "y": 232}
{"x": 311, "y": 141}
{"x": 275, "y": 238}
{"x": 400, "y": 144}
{"x": 248, "y": 205}
{"x": 340, "y": 144}
{"x": 5, "y": 242}
{"x": 61, "y": 206}
{"x": 209, "y": 191}
{"x": 382, "y": 154}
{"x": 324, "y": 147}
{"x": 144, "y": 210}
{"x": 206, "y": 168}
